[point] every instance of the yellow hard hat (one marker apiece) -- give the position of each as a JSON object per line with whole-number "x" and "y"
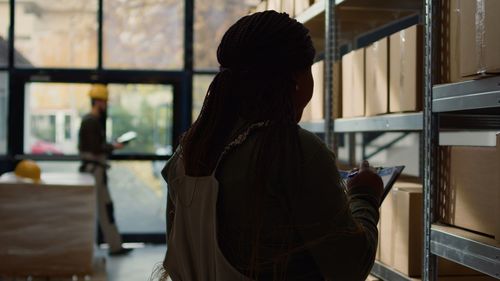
{"x": 28, "y": 169}
{"x": 99, "y": 91}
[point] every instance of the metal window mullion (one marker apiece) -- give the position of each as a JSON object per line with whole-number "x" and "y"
{"x": 183, "y": 99}
{"x": 100, "y": 22}
{"x": 11, "y": 34}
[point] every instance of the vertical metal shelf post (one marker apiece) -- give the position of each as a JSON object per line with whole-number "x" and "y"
{"x": 431, "y": 8}
{"x": 330, "y": 47}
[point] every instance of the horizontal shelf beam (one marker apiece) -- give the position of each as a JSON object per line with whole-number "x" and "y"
{"x": 313, "y": 126}
{"x": 466, "y": 248}
{"x": 316, "y": 10}
{"x": 386, "y": 273}
{"x": 388, "y": 122}
{"x": 468, "y": 95}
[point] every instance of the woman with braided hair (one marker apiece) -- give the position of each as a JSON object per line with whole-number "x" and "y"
{"x": 252, "y": 196}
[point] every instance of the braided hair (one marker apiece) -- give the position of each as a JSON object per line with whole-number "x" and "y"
{"x": 259, "y": 56}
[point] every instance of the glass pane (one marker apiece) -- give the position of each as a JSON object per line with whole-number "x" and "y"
{"x": 146, "y": 109}
{"x": 139, "y": 194}
{"x": 137, "y": 190}
{"x": 200, "y": 87}
{"x": 143, "y": 34}
{"x": 53, "y": 117}
{"x": 56, "y": 33}
{"x": 4, "y": 32}
{"x": 212, "y": 19}
{"x": 3, "y": 111}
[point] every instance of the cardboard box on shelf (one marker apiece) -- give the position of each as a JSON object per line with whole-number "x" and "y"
{"x": 469, "y": 188}
{"x": 337, "y": 90}
{"x": 288, "y": 6}
{"x": 405, "y": 70}
{"x": 401, "y": 233}
{"x": 479, "y": 37}
{"x": 377, "y": 78}
{"x": 301, "y": 6}
{"x": 353, "y": 84}
{"x": 47, "y": 229}
{"x": 450, "y": 53}
{"x": 314, "y": 110}
{"x": 274, "y": 5}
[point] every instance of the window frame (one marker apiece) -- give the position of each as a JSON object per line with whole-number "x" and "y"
{"x": 181, "y": 81}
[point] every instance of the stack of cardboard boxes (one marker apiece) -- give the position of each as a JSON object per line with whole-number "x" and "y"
{"x": 401, "y": 236}
{"x": 384, "y": 77}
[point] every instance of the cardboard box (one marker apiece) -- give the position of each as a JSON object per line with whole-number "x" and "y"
{"x": 453, "y": 55}
{"x": 274, "y": 5}
{"x": 288, "y": 6}
{"x": 337, "y": 90}
{"x": 47, "y": 229}
{"x": 405, "y": 70}
{"x": 314, "y": 110}
{"x": 301, "y": 6}
{"x": 401, "y": 230}
{"x": 353, "y": 84}
{"x": 479, "y": 37}
{"x": 469, "y": 188}
{"x": 401, "y": 233}
{"x": 377, "y": 78}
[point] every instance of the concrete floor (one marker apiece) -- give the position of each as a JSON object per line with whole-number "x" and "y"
{"x": 136, "y": 266}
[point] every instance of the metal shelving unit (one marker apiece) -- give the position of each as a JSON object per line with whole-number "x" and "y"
{"x": 344, "y": 21}
{"x": 471, "y": 105}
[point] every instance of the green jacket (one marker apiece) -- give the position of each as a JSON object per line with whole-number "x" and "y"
{"x": 323, "y": 231}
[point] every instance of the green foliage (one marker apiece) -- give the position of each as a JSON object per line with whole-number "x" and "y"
{"x": 152, "y": 124}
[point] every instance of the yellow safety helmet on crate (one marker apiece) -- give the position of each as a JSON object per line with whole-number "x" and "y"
{"x": 99, "y": 91}
{"x": 28, "y": 169}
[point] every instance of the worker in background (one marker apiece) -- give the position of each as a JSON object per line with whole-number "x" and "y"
{"x": 94, "y": 151}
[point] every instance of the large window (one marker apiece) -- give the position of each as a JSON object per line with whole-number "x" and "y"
{"x": 53, "y": 116}
{"x": 145, "y": 109}
{"x": 56, "y": 33}
{"x": 212, "y": 19}
{"x": 4, "y": 32}
{"x": 143, "y": 34}
{"x": 54, "y": 112}
{"x": 3, "y": 111}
